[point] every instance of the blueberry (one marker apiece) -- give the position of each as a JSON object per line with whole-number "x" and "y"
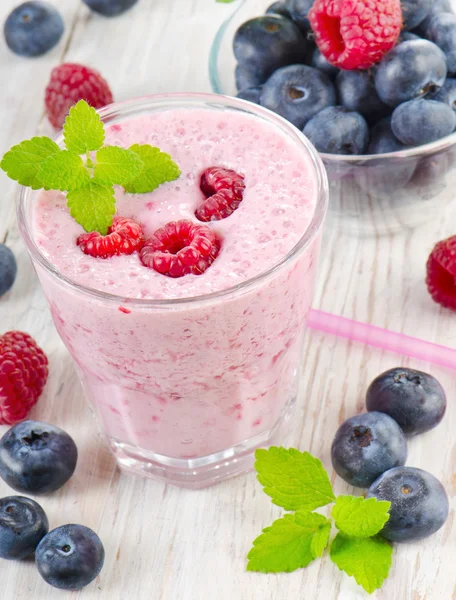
{"x": 415, "y": 400}
{"x": 251, "y": 94}
{"x": 8, "y": 269}
{"x": 415, "y": 11}
{"x": 37, "y": 457}
{"x": 438, "y": 7}
{"x": 366, "y": 446}
{"x": 246, "y": 79}
{"x": 23, "y": 524}
{"x": 110, "y": 8}
{"x": 70, "y": 557}
{"x": 318, "y": 61}
{"x": 447, "y": 93}
{"x": 442, "y": 31}
{"x": 298, "y": 92}
{"x": 267, "y": 43}
{"x": 429, "y": 179}
{"x": 407, "y": 36}
{"x": 356, "y": 91}
{"x": 418, "y": 122}
{"x": 419, "y": 503}
{"x": 279, "y": 8}
{"x": 337, "y": 130}
{"x": 413, "y": 69}
{"x": 299, "y": 10}
{"x": 33, "y": 28}
{"x": 383, "y": 140}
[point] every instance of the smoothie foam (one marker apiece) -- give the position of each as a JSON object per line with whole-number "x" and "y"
{"x": 183, "y": 381}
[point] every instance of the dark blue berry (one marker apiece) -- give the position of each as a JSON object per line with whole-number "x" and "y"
{"x": 298, "y": 92}
{"x": 246, "y": 79}
{"x": 319, "y": 62}
{"x": 407, "y": 36}
{"x": 251, "y": 94}
{"x": 36, "y": 457}
{"x": 447, "y": 93}
{"x": 267, "y": 43}
{"x": 421, "y": 121}
{"x": 299, "y": 10}
{"x": 33, "y": 28}
{"x": 442, "y": 31}
{"x": 23, "y": 524}
{"x": 279, "y": 8}
{"x": 419, "y": 503}
{"x": 356, "y": 91}
{"x": 383, "y": 140}
{"x": 366, "y": 446}
{"x": 70, "y": 557}
{"x": 413, "y": 69}
{"x": 415, "y": 400}
{"x": 110, "y": 8}
{"x": 415, "y": 11}
{"x": 8, "y": 269}
{"x": 438, "y": 6}
{"x": 337, "y": 130}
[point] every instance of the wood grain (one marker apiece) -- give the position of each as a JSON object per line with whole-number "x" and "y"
{"x": 163, "y": 543}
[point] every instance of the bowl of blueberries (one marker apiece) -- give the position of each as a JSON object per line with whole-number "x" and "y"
{"x": 373, "y": 88}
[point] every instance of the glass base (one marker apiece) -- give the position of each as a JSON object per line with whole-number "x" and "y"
{"x": 204, "y": 471}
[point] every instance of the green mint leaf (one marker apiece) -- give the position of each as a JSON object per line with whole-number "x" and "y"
{"x": 320, "y": 539}
{"x": 159, "y": 168}
{"x": 23, "y": 161}
{"x": 287, "y": 544}
{"x": 116, "y": 166}
{"x": 293, "y": 479}
{"x": 368, "y": 560}
{"x": 359, "y": 517}
{"x": 93, "y": 206}
{"x": 63, "y": 171}
{"x": 83, "y": 130}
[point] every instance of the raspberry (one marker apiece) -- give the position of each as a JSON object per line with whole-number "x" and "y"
{"x": 355, "y": 34}
{"x": 441, "y": 273}
{"x": 23, "y": 374}
{"x": 180, "y": 248}
{"x": 70, "y": 83}
{"x": 125, "y": 236}
{"x": 224, "y": 190}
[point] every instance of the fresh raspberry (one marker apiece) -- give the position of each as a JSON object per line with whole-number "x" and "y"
{"x": 355, "y": 34}
{"x": 125, "y": 236}
{"x": 224, "y": 190}
{"x": 180, "y": 248}
{"x": 441, "y": 273}
{"x": 70, "y": 83}
{"x": 23, "y": 374}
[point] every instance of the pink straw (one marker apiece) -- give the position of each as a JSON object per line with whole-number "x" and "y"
{"x": 382, "y": 338}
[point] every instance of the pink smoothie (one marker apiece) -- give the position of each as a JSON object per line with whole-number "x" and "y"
{"x": 190, "y": 379}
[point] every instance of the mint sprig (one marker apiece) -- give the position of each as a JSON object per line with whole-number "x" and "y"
{"x": 87, "y": 170}
{"x": 298, "y": 481}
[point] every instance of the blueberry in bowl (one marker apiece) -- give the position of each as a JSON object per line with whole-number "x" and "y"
{"x": 403, "y": 177}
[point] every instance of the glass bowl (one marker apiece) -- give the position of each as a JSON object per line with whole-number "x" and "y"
{"x": 369, "y": 194}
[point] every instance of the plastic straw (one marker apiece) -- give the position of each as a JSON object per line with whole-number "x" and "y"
{"x": 382, "y": 338}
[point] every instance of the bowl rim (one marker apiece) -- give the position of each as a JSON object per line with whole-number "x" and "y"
{"x": 430, "y": 148}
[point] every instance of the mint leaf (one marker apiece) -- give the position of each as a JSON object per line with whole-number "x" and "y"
{"x": 360, "y": 517}
{"x": 158, "y": 168}
{"x": 320, "y": 539}
{"x": 93, "y": 206}
{"x": 63, "y": 171}
{"x": 116, "y": 166}
{"x": 23, "y": 161}
{"x": 83, "y": 130}
{"x": 293, "y": 479}
{"x": 368, "y": 560}
{"x": 287, "y": 544}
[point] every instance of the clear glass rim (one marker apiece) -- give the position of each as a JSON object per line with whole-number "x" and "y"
{"x": 134, "y": 106}
{"x": 418, "y": 152}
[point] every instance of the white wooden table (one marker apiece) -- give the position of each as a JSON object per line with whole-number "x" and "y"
{"x": 163, "y": 543}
